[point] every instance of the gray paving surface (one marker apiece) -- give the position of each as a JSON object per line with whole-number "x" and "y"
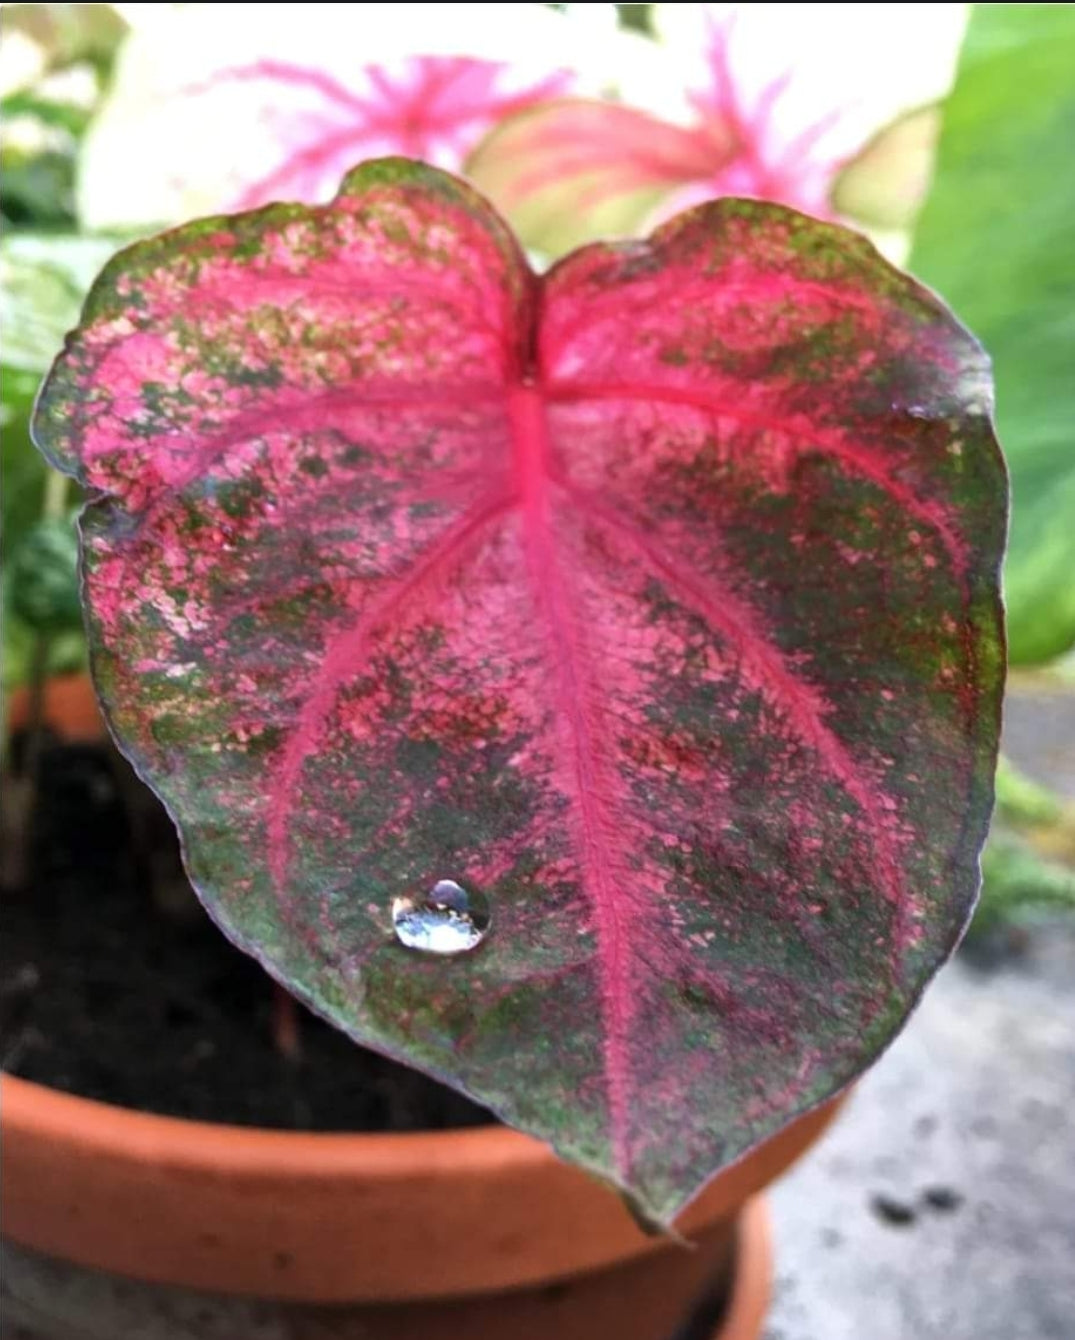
{"x": 975, "y": 1102}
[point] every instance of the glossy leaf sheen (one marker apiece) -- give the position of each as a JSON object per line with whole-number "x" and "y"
{"x": 655, "y": 599}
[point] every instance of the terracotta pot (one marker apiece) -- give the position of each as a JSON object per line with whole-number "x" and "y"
{"x": 479, "y": 1233}
{"x": 57, "y": 1300}
{"x": 69, "y": 709}
{"x": 375, "y": 1220}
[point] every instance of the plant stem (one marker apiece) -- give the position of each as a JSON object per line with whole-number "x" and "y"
{"x": 286, "y": 1024}
{"x": 55, "y": 499}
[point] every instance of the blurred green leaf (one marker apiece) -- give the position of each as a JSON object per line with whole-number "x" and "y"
{"x": 24, "y": 473}
{"x": 68, "y": 33}
{"x": 24, "y": 469}
{"x": 1023, "y": 801}
{"x": 1016, "y": 878}
{"x": 997, "y": 239}
{"x": 64, "y": 653}
{"x": 635, "y": 18}
{"x": 60, "y": 115}
{"x": 38, "y": 188}
{"x": 44, "y": 577}
{"x": 1029, "y": 861}
{"x": 43, "y": 279}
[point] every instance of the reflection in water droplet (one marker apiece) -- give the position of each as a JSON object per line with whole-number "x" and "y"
{"x": 446, "y": 920}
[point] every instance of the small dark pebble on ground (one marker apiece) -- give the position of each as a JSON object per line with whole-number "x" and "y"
{"x": 942, "y": 1198}
{"x": 892, "y": 1211}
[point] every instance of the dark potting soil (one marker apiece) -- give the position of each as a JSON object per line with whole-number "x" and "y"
{"x": 106, "y": 994}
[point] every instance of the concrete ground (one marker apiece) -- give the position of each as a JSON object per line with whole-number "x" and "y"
{"x": 942, "y": 1205}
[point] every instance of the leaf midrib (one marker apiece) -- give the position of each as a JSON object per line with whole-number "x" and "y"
{"x": 592, "y": 789}
{"x": 535, "y": 479}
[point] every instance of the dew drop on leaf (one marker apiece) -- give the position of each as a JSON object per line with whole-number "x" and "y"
{"x": 446, "y": 920}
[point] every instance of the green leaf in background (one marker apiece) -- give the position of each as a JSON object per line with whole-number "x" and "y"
{"x": 23, "y": 469}
{"x": 997, "y": 239}
{"x": 37, "y": 187}
{"x": 65, "y": 34}
{"x": 1029, "y": 862}
{"x": 43, "y": 279}
{"x": 54, "y": 61}
{"x": 44, "y": 577}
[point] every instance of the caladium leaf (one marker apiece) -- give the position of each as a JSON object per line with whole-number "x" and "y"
{"x": 750, "y": 101}
{"x": 654, "y": 601}
{"x": 574, "y": 170}
{"x": 278, "y": 109}
{"x": 886, "y": 184}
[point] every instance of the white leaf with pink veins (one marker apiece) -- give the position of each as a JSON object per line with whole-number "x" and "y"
{"x": 228, "y": 106}
{"x": 804, "y": 86}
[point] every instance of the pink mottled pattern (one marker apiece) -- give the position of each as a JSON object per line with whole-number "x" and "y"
{"x": 655, "y": 598}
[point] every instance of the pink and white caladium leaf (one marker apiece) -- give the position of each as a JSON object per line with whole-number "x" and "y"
{"x": 885, "y": 185}
{"x": 766, "y": 101}
{"x": 654, "y": 601}
{"x": 573, "y": 170}
{"x": 211, "y": 109}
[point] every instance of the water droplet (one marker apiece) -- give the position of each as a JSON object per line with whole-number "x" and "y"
{"x": 446, "y": 920}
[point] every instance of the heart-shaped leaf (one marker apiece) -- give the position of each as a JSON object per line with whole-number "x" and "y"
{"x": 655, "y": 601}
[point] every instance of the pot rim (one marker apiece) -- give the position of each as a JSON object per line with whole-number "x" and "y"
{"x": 376, "y": 1154}
{"x": 227, "y": 1208}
